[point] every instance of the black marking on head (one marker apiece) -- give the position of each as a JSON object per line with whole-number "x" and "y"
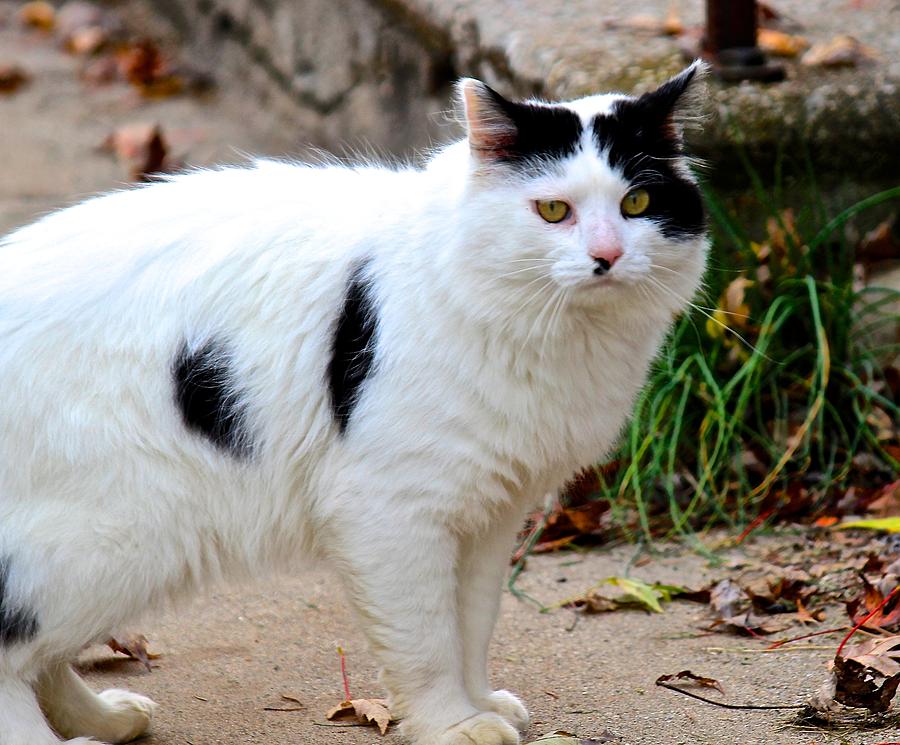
{"x": 16, "y": 624}
{"x": 519, "y": 134}
{"x": 353, "y": 347}
{"x": 207, "y": 399}
{"x": 640, "y": 139}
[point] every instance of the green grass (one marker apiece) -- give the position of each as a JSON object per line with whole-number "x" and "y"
{"x": 779, "y": 416}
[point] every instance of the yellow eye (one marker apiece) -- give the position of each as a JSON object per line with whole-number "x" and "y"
{"x": 553, "y": 210}
{"x": 636, "y": 202}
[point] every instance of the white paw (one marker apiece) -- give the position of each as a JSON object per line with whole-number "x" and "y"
{"x": 482, "y": 729}
{"x": 508, "y": 706}
{"x": 128, "y": 715}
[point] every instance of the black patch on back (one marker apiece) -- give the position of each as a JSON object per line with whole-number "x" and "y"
{"x": 16, "y": 624}
{"x": 353, "y": 348}
{"x": 639, "y": 139}
{"x": 207, "y": 399}
{"x": 542, "y": 132}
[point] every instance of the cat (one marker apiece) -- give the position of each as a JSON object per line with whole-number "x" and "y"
{"x": 216, "y": 374}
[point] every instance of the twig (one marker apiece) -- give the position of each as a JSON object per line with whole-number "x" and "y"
{"x": 697, "y": 696}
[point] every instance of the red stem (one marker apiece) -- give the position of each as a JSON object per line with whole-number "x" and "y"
{"x": 862, "y": 623}
{"x": 344, "y": 676}
{"x": 757, "y": 521}
{"x": 776, "y": 645}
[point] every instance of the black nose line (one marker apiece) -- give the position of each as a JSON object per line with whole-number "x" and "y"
{"x": 603, "y": 266}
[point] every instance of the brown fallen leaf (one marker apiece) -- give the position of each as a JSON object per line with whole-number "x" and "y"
{"x": 86, "y": 41}
{"x": 560, "y": 737}
{"x": 779, "y": 43}
{"x": 839, "y": 51}
{"x": 297, "y": 704}
{"x": 887, "y": 616}
{"x": 880, "y": 243}
{"x": 12, "y": 77}
{"x": 142, "y": 64}
{"x": 141, "y": 147}
{"x": 38, "y": 14}
{"x": 135, "y": 646}
{"x": 689, "y": 676}
{"x": 363, "y": 711}
{"x": 866, "y": 676}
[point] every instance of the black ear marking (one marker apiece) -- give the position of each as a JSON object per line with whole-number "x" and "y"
{"x": 207, "y": 399}
{"x": 17, "y": 625}
{"x": 659, "y": 110}
{"x": 353, "y": 347}
{"x": 640, "y": 137}
{"x": 505, "y": 131}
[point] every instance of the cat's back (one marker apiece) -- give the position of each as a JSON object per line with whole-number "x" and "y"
{"x": 190, "y": 223}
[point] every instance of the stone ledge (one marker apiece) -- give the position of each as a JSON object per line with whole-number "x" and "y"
{"x": 383, "y": 70}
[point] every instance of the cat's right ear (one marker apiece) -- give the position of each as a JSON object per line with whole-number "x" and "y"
{"x": 490, "y": 125}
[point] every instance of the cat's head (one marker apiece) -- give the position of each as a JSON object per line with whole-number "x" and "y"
{"x": 592, "y": 198}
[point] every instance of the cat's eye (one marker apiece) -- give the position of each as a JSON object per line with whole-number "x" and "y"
{"x": 553, "y": 210}
{"x": 635, "y": 203}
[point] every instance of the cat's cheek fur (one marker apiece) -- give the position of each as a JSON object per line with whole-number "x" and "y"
{"x": 213, "y": 377}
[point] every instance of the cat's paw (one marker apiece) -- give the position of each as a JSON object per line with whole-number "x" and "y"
{"x": 127, "y": 715}
{"x": 481, "y": 729}
{"x": 508, "y": 706}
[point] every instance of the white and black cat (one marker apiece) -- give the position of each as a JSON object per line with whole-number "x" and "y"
{"x": 213, "y": 376}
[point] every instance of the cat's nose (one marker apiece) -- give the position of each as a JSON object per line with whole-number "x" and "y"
{"x": 604, "y": 258}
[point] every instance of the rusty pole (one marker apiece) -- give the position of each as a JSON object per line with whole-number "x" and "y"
{"x": 729, "y": 42}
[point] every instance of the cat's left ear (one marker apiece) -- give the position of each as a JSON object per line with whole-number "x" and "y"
{"x": 490, "y": 119}
{"x": 677, "y": 102}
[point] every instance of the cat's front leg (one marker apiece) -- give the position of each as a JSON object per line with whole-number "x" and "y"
{"x": 401, "y": 575}
{"x": 484, "y": 562}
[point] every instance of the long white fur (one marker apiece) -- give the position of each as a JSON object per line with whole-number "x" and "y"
{"x": 502, "y": 367}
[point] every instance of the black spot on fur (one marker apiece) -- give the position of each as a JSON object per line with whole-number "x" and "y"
{"x": 540, "y": 132}
{"x": 639, "y": 139}
{"x": 16, "y": 624}
{"x": 353, "y": 349}
{"x": 207, "y": 398}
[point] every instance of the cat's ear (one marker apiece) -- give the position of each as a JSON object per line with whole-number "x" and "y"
{"x": 490, "y": 119}
{"x": 677, "y": 102}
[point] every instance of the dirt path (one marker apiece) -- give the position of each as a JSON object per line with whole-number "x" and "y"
{"x": 228, "y": 658}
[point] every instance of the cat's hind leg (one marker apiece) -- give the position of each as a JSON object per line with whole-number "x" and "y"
{"x": 21, "y": 720}
{"x": 113, "y": 716}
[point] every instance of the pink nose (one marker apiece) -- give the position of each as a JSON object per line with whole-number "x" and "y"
{"x": 605, "y": 256}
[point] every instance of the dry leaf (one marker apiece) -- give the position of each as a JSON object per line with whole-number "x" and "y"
{"x": 887, "y": 617}
{"x": 134, "y": 646}
{"x": 689, "y": 676}
{"x": 671, "y": 25}
{"x": 561, "y": 737}
{"x": 298, "y": 705}
{"x": 364, "y": 711}
{"x": 38, "y": 14}
{"x": 867, "y": 675}
{"x": 779, "y": 43}
{"x": 12, "y": 77}
{"x": 86, "y": 41}
{"x": 141, "y": 147}
{"x": 840, "y": 51}
{"x": 142, "y": 65}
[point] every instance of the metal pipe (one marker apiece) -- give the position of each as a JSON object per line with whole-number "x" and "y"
{"x": 729, "y": 42}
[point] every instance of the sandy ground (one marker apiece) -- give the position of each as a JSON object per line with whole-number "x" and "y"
{"x": 236, "y": 653}
{"x": 227, "y": 658}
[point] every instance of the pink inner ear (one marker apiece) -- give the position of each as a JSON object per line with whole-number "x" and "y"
{"x": 489, "y": 130}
